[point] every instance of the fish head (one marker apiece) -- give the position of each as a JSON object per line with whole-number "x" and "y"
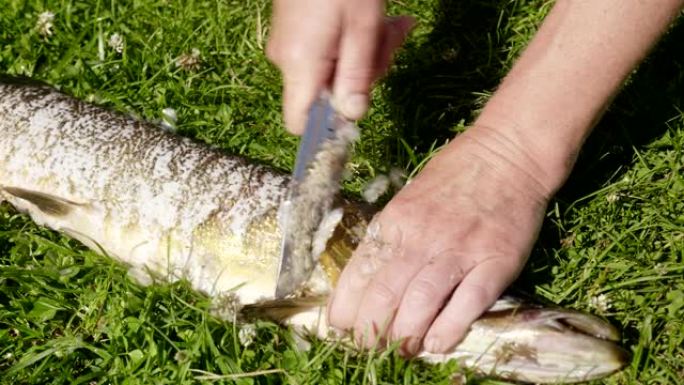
{"x": 541, "y": 345}
{"x": 572, "y": 346}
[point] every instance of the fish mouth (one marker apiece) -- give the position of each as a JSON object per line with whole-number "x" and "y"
{"x": 594, "y": 327}
{"x": 587, "y": 343}
{"x": 583, "y": 323}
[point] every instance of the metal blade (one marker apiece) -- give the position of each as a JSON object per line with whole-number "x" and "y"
{"x": 298, "y": 224}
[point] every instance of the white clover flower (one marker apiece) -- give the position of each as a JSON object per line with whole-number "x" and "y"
{"x": 376, "y": 188}
{"x": 181, "y": 356}
{"x": 600, "y": 302}
{"x": 44, "y": 23}
{"x": 613, "y": 197}
{"x": 246, "y": 334}
{"x": 116, "y": 42}
{"x": 226, "y": 306}
{"x": 169, "y": 119}
{"x": 189, "y": 61}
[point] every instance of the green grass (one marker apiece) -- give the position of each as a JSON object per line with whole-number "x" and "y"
{"x": 615, "y": 232}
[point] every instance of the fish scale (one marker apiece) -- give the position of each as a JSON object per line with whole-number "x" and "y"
{"x": 178, "y": 209}
{"x": 138, "y": 177}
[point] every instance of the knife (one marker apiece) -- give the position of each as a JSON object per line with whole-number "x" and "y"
{"x": 302, "y": 211}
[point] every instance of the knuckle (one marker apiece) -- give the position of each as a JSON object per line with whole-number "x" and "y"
{"x": 296, "y": 52}
{"x": 477, "y": 294}
{"x": 423, "y": 291}
{"x": 357, "y": 75}
{"x": 286, "y": 54}
{"x": 382, "y": 295}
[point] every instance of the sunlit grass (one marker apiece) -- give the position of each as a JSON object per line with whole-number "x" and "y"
{"x": 613, "y": 242}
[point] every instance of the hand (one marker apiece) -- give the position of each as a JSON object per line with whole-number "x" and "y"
{"x": 342, "y": 45}
{"x": 445, "y": 247}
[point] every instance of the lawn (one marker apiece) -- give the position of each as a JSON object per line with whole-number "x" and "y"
{"x": 612, "y": 242}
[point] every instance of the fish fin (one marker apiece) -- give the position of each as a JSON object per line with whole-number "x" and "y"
{"x": 86, "y": 240}
{"x": 49, "y": 204}
{"x": 279, "y": 310}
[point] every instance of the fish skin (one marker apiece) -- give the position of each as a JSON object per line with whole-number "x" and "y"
{"x": 150, "y": 199}
{"x": 177, "y": 209}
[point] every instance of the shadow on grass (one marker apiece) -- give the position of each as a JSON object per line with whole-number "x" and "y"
{"x": 435, "y": 84}
{"x": 439, "y": 83}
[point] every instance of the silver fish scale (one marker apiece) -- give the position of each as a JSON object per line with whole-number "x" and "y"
{"x": 133, "y": 172}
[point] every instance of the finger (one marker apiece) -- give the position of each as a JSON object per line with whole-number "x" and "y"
{"x": 478, "y": 291}
{"x": 355, "y": 68}
{"x": 423, "y": 299}
{"x": 301, "y": 87}
{"x": 382, "y": 298}
{"x": 368, "y": 258}
{"x": 395, "y": 31}
{"x": 303, "y": 44}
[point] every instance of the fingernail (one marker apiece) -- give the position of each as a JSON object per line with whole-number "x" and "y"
{"x": 354, "y": 106}
{"x": 433, "y": 345}
{"x": 410, "y": 346}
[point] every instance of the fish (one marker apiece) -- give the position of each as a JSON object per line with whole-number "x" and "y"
{"x": 171, "y": 208}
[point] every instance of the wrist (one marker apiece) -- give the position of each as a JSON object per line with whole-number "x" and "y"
{"x": 542, "y": 165}
{"x": 548, "y": 148}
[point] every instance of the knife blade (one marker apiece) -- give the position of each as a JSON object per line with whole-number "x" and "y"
{"x": 305, "y": 206}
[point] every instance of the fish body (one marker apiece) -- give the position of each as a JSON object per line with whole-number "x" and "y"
{"x": 171, "y": 208}
{"x": 152, "y": 200}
